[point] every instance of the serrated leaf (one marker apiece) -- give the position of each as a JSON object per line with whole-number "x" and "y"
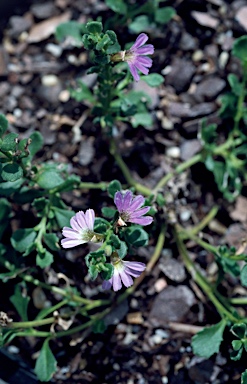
{"x": 20, "y": 302}
{"x": 12, "y": 172}
{"x": 114, "y": 187}
{"x": 46, "y": 363}
{"x": 3, "y": 124}
{"x": 9, "y": 142}
{"x": 49, "y": 179}
{"x": 117, "y": 6}
{"x": 94, "y": 27}
{"x": 51, "y": 240}
{"x": 207, "y": 342}
{"x": 144, "y": 119}
{"x": 153, "y": 80}
{"x": 22, "y": 238}
{"x": 71, "y": 29}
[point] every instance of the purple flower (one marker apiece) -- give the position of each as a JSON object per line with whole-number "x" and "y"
{"x": 82, "y": 229}
{"x": 136, "y": 56}
{"x": 123, "y": 270}
{"x": 130, "y": 210}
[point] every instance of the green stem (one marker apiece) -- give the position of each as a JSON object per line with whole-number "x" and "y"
{"x": 241, "y": 98}
{"x": 239, "y": 301}
{"x": 34, "y": 323}
{"x": 87, "y": 185}
{"x": 203, "y": 223}
{"x": 202, "y": 281}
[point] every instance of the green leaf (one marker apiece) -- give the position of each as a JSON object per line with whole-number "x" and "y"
{"x": 236, "y": 354}
{"x": 109, "y": 213}
{"x": 114, "y": 187}
{"x": 82, "y": 92}
{"x": 99, "y": 326}
{"x": 236, "y": 344}
{"x": 63, "y": 216}
{"x": 106, "y": 275}
{"x": 36, "y": 144}
{"x": 71, "y": 29}
{"x": 93, "y": 271}
{"x": 136, "y": 236}
{"x": 3, "y": 124}
{"x": 9, "y": 187}
{"x": 44, "y": 259}
{"x": 243, "y": 276}
{"x": 153, "y": 80}
{"x": 164, "y": 15}
{"x": 51, "y": 240}
{"x": 49, "y": 179}
{"x": 94, "y": 27}
{"x": 208, "y": 134}
{"x": 22, "y": 238}
{"x": 244, "y": 377}
{"x": 144, "y": 119}
{"x": 240, "y": 48}
{"x": 117, "y": 6}
{"x": 9, "y": 142}
{"x": 101, "y": 225}
{"x": 122, "y": 251}
{"x": 104, "y": 41}
{"x": 236, "y": 86}
{"x": 46, "y": 363}
{"x": 20, "y": 302}
{"x": 140, "y": 24}
{"x": 12, "y": 172}
{"x": 239, "y": 330}
{"x": 207, "y": 342}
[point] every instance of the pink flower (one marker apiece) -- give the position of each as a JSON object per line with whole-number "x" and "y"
{"x": 130, "y": 210}
{"x": 136, "y": 56}
{"x": 82, "y": 229}
{"x": 123, "y": 270}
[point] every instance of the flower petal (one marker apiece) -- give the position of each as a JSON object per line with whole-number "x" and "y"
{"x": 127, "y": 198}
{"x": 145, "y": 220}
{"x": 70, "y": 243}
{"x": 80, "y": 218}
{"x": 139, "y": 212}
{"x": 137, "y": 202}
{"x": 89, "y": 218}
{"x": 134, "y": 72}
{"x": 133, "y": 273}
{"x": 145, "y": 61}
{"x": 146, "y": 50}
{"x": 118, "y": 201}
{"x": 141, "y": 39}
{"x": 141, "y": 67}
{"x": 71, "y": 233}
{"x": 107, "y": 284}
{"x": 126, "y": 279}
{"x": 74, "y": 224}
{"x": 135, "y": 265}
{"x": 116, "y": 281}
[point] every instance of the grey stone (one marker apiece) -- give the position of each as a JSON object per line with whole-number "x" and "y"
{"x": 181, "y": 74}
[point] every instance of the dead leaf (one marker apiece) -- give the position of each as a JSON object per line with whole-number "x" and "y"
{"x": 205, "y": 19}
{"x": 240, "y": 211}
{"x": 45, "y": 29}
{"x": 241, "y": 17}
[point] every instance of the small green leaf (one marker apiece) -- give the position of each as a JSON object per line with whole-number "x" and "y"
{"x": 63, "y": 216}
{"x": 9, "y": 142}
{"x": 244, "y": 377}
{"x": 144, "y": 119}
{"x": 94, "y": 27}
{"x": 236, "y": 344}
{"x": 99, "y": 326}
{"x": 164, "y": 15}
{"x": 243, "y": 276}
{"x": 36, "y": 143}
{"x": 104, "y": 41}
{"x": 153, "y": 80}
{"x": 236, "y": 354}
{"x": 101, "y": 225}
{"x": 22, "y": 238}
{"x": 114, "y": 187}
{"x": 140, "y": 24}
{"x": 82, "y": 92}
{"x": 49, "y": 179}
{"x": 239, "y": 330}
{"x": 240, "y": 48}
{"x": 106, "y": 275}
{"x": 117, "y": 6}
{"x": 136, "y": 236}
{"x": 12, "y": 172}
{"x": 71, "y": 29}
{"x": 3, "y": 124}
{"x": 93, "y": 271}
{"x": 44, "y": 259}
{"x": 207, "y": 342}
{"x": 109, "y": 213}
{"x": 122, "y": 251}
{"x": 51, "y": 240}
{"x": 236, "y": 86}
{"x": 20, "y": 302}
{"x": 46, "y": 363}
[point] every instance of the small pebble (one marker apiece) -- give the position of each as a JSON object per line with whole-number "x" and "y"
{"x": 185, "y": 215}
{"x": 162, "y": 333}
{"x": 223, "y": 59}
{"x": 173, "y": 152}
{"x": 17, "y": 112}
{"x": 198, "y": 55}
{"x": 164, "y": 380}
{"x": 54, "y": 49}
{"x": 64, "y": 96}
{"x": 49, "y": 80}
{"x": 13, "y": 349}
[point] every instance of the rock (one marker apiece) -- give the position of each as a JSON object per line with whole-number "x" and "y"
{"x": 4, "y": 60}
{"x": 43, "y": 11}
{"x": 241, "y": 17}
{"x": 209, "y": 89}
{"x": 172, "y": 304}
{"x": 200, "y": 370}
{"x": 189, "y": 148}
{"x": 150, "y": 91}
{"x": 20, "y": 24}
{"x": 186, "y": 111}
{"x": 173, "y": 152}
{"x": 240, "y": 211}
{"x": 180, "y": 75}
{"x": 205, "y": 19}
{"x": 54, "y": 49}
{"x": 172, "y": 269}
{"x": 86, "y": 151}
{"x": 187, "y": 42}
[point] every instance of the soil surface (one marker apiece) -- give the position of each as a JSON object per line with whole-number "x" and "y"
{"x": 148, "y": 337}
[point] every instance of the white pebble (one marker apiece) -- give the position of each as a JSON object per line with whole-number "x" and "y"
{"x": 173, "y": 152}
{"x": 54, "y": 49}
{"x": 49, "y": 80}
{"x": 13, "y": 349}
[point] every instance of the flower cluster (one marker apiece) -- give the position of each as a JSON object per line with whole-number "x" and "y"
{"x": 130, "y": 210}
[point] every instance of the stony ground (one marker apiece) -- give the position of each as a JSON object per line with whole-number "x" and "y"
{"x": 148, "y": 338}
